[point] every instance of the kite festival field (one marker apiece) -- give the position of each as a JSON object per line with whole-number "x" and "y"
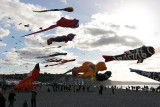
{"x": 121, "y": 98}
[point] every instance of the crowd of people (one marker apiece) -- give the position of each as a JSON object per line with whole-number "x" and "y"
{"x": 66, "y": 88}
{"x": 12, "y": 99}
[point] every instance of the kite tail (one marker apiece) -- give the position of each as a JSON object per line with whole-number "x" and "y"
{"x": 108, "y": 58}
{"x": 41, "y": 11}
{"x": 48, "y": 10}
{"x": 51, "y": 27}
{"x": 134, "y": 70}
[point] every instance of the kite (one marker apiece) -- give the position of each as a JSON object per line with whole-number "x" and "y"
{"x": 137, "y": 54}
{"x": 68, "y": 9}
{"x": 103, "y": 77}
{"x": 27, "y": 82}
{"x": 65, "y": 39}
{"x": 63, "y": 22}
{"x": 19, "y": 23}
{"x": 26, "y": 25}
{"x": 88, "y": 69}
{"x": 152, "y": 75}
{"x": 56, "y": 54}
{"x": 62, "y": 61}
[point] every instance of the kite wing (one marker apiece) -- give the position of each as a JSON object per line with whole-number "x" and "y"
{"x": 151, "y": 75}
{"x": 27, "y": 82}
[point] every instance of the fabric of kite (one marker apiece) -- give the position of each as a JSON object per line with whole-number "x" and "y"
{"x": 151, "y": 75}
{"x": 59, "y": 61}
{"x": 27, "y": 83}
{"x": 103, "y": 77}
{"x": 68, "y": 9}
{"x": 65, "y": 39}
{"x": 56, "y": 54}
{"x": 88, "y": 69}
{"x": 137, "y": 54}
{"x": 63, "y": 22}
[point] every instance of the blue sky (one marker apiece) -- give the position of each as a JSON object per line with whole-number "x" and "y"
{"x": 107, "y": 27}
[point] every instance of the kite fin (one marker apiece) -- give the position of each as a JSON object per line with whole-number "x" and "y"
{"x": 139, "y": 61}
{"x": 108, "y": 58}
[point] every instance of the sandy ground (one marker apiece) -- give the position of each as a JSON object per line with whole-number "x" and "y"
{"x": 121, "y": 98}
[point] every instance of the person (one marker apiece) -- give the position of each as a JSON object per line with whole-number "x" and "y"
{"x": 2, "y": 100}
{"x": 83, "y": 88}
{"x": 11, "y": 98}
{"x": 48, "y": 89}
{"x": 112, "y": 90}
{"x": 74, "y": 88}
{"x": 25, "y": 103}
{"x": 101, "y": 90}
{"x": 33, "y": 98}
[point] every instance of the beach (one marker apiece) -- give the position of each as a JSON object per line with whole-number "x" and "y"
{"x": 121, "y": 98}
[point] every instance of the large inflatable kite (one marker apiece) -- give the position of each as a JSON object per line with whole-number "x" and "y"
{"x": 68, "y": 9}
{"x": 65, "y": 39}
{"x": 27, "y": 83}
{"x": 56, "y": 54}
{"x": 88, "y": 69}
{"x": 59, "y": 61}
{"x": 152, "y": 75}
{"x": 137, "y": 54}
{"x": 103, "y": 77}
{"x": 63, "y": 22}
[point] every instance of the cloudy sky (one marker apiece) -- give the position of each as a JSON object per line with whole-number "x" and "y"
{"x": 107, "y": 27}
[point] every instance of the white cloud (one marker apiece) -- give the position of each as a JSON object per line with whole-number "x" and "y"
{"x": 64, "y": 1}
{"x": 23, "y": 13}
{"x": 11, "y": 62}
{"x": 3, "y": 32}
{"x": 2, "y": 44}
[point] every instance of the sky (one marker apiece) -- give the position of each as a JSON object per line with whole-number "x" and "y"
{"x": 106, "y": 27}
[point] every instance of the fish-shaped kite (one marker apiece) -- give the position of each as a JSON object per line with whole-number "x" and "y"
{"x": 65, "y": 39}
{"x": 56, "y": 54}
{"x": 137, "y": 54}
{"x": 152, "y": 75}
{"x": 27, "y": 82}
{"x": 63, "y": 22}
{"x": 88, "y": 69}
{"x": 68, "y": 9}
{"x": 61, "y": 61}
